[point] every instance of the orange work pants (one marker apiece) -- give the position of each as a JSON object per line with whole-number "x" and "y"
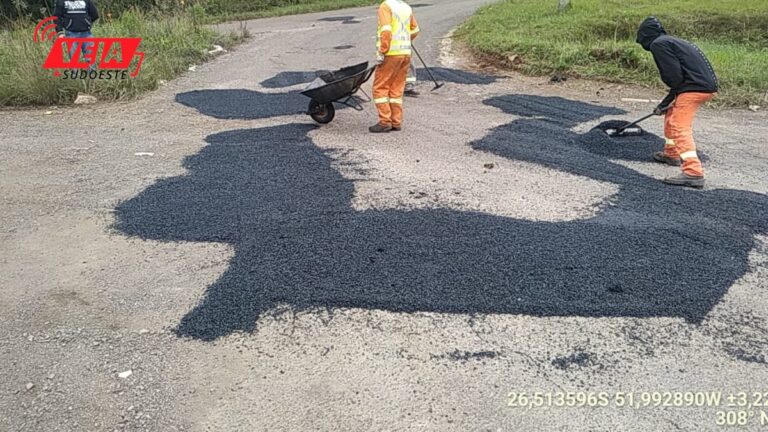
{"x": 388, "y": 88}
{"x": 678, "y": 131}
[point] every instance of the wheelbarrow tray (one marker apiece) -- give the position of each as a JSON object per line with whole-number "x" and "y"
{"x": 340, "y": 84}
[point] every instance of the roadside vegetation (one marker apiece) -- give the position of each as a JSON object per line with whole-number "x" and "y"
{"x": 596, "y": 39}
{"x": 175, "y": 35}
{"x": 170, "y": 44}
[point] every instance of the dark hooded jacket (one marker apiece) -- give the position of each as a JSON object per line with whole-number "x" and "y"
{"x": 75, "y": 15}
{"x": 682, "y": 65}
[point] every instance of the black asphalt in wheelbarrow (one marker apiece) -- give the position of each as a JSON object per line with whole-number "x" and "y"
{"x": 340, "y": 87}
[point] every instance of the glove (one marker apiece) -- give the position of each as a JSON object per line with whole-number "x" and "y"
{"x": 379, "y": 58}
{"x": 666, "y": 104}
{"x": 661, "y": 109}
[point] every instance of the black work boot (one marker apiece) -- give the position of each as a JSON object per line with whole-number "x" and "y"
{"x": 379, "y": 128}
{"x": 396, "y": 128}
{"x": 685, "y": 180}
{"x": 411, "y": 92}
{"x": 661, "y": 157}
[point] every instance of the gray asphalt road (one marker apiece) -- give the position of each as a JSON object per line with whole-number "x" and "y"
{"x": 255, "y": 271}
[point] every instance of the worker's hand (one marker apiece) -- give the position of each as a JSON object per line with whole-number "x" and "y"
{"x": 379, "y": 58}
{"x": 660, "y": 110}
{"x": 61, "y": 35}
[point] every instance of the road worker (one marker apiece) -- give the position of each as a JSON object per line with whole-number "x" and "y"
{"x": 692, "y": 82}
{"x": 397, "y": 27}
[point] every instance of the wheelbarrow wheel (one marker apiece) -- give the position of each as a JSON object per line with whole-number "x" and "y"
{"x": 321, "y": 113}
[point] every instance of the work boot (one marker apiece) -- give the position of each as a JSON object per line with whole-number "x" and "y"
{"x": 685, "y": 180}
{"x": 396, "y": 128}
{"x": 379, "y": 128}
{"x": 669, "y": 160}
{"x": 411, "y": 93}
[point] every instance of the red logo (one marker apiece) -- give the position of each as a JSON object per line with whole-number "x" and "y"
{"x": 68, "y": 53}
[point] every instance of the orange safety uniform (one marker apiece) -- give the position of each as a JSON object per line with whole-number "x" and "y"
{"x": 678, "y": 131}
{"x": 397, "y": 27}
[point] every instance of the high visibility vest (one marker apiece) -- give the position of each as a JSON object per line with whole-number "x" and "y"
{"x": 400, "y": 28}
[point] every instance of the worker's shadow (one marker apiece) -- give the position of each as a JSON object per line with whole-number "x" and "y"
{"x": 651, "y": 250}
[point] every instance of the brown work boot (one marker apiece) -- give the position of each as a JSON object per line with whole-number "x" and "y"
{"x": 685, "y": 180}
{"x": 379, "y": 128}
{"x": 669, "y": 160}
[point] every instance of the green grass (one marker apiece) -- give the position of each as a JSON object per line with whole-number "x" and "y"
{"x": 174, "y": 35}
{"x": 223, "y": 10}
{"x": 595, "y": 39}
{"x": 170, "y": 44}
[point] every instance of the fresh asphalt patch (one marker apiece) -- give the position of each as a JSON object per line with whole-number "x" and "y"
{"x": 243, "y": 104}
{"x": 627, "y": 147}
{"x": 653, "y": 250}
{"x": 455, "y": 76}
{"x": 291, "y": 78}
{"x": 342, "y": 19}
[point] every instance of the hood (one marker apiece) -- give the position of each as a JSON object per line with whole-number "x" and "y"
{"x": 649, "y": 30}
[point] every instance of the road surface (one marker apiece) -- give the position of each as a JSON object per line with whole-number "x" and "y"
{"x": 255, "y": 271}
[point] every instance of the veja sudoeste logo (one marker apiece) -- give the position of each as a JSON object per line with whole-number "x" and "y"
{"x": 69, "y": 58}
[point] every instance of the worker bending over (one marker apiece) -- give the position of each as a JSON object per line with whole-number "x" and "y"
{"x": 692, "y": 81}
{"x": 397, "y": 26}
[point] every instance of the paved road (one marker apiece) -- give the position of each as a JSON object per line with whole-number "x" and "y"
{"x": 255, "y": 271}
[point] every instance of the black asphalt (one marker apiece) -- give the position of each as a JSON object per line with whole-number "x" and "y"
{"x": 653, "y": 250}
{"x": 456, "y": 76}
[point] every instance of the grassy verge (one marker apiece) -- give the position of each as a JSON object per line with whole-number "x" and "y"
{"x": 174, "y": 36}
{"x": 595, "y": 39}
{"x": 170, "y": 44}
{"x": 224, "y": 10}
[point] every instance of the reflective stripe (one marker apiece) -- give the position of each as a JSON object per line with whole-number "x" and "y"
{"x": 410, "y": 79}
{"x": 416, "y": 30}
{"x": 669, "y": 142}
{"x": 398, "y": 101}
{"x": 400, "y": 28}
{"x": 689, "y": 155}
{"x": 381, "y": 100}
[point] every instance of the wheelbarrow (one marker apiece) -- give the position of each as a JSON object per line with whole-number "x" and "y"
{"x": 338, "y": 86}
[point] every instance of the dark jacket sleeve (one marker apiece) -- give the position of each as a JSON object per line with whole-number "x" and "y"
{"x": 92, "y": 11}
{"x": 58, "y": 12}
{"x": 668, "y": 64}
{"x": 668, "y": 99}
